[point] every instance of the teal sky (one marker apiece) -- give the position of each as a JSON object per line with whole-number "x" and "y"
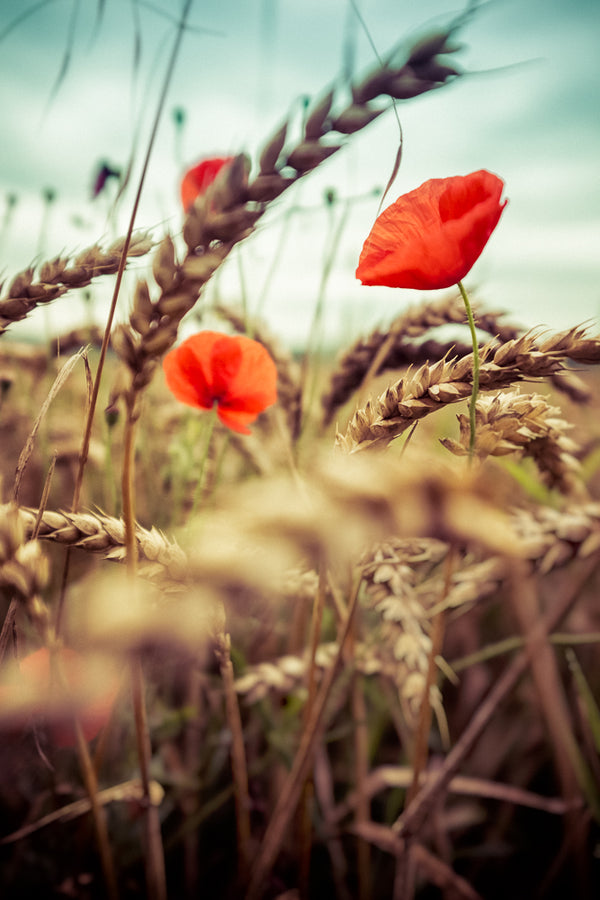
{"x": 529, "y": 112}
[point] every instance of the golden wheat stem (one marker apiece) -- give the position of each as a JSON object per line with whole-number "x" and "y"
{"x": 238, "y": 756}
{"x": 426, "y": 713}
{"x": 98, "y": 815}
{"x": 415, "y": 815}
{"x": 361, "y": 768}
{"x": 475, "y": 388}
{"x": 154, "y": 852}
{"x": 128, "y": 494}
{"x": 154, "y": 860}
{"x": 292, "y": 787}
{"x": 305, "y": 816}
{"x": 85, "y": 446}
{"x": 209, "y": 428}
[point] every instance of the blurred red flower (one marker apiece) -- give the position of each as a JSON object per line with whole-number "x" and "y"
{"x": 431, "y": 237}
{"x": 78, "y": 676}
{"x": 235, "y": 373}
{"x": 199, "y": 177}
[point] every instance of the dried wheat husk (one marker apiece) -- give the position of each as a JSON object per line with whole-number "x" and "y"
{"x": 527, "y": 425}
{"x": 449, "y": 381}
{"x": 395, "y": 348}
{"x": 63, "y": 274}
{"x": 105, "y": 535}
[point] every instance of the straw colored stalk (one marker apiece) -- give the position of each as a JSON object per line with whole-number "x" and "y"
{"x": 402, "y": 638}
{"x": 391, "y": 348}
{"x": 62, "y": 274}
{"x": 550, "y": 538}
{"x": 526, "y": 425}
{"x": 450, "y": 381}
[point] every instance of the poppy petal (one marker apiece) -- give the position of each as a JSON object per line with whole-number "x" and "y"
{"x": 234, "y": 372}
{"x": 197, "y": 179}
{"x": 187, "y": 370}
{"x": 431, "y": 237}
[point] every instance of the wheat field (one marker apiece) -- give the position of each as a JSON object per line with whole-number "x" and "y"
{"x": 345, "y": 655}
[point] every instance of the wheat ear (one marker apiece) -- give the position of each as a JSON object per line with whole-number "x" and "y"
{"x": 449, "y": 381}
{"x": 63, "y": 274}
{"x": 527, "y": 425}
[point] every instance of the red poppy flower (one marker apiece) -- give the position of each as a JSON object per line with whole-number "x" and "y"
{"x": 431, "y": 237}
{"x": 93, "y": 715}
{"x": 199, "y": 177}
{"x": 235, "y": 373}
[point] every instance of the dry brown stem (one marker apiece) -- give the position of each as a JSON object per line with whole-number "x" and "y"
{"x": 414, "y": 816}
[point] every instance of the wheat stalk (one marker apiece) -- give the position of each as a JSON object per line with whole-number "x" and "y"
{"x": 449, "y": 381}
{"x": 63, "y": 274}
{"x": 398, "y": 349}
{"x": 525, "y": 424}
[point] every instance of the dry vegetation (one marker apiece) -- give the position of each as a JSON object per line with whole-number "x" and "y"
{"x": 363, "y": 667}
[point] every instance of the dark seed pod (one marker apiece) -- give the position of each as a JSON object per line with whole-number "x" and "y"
{"x": 272, "y": 151}
{"x": 354, "y": 118}
{"x": 430, "y": 45}
{"x": 267, "y": 187}
{"x": 164, "y": 267}
{"x": 434, "y": 70}
{"x": 308, "y": 155}
{"x": 313, "y": 128}
{"x": 406, "y": 85}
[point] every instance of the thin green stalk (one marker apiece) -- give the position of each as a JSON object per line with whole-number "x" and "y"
{"x": 475, "y": 390}
{"x": 209, "y": 429}
{"x": 311, "y": 353}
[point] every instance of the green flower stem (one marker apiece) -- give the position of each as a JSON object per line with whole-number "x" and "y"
{"x": 475, "y": 390}
{"x": 210, "y": 427}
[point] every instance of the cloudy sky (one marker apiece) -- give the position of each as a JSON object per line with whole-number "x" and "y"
{"x": 526, "y": 109}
